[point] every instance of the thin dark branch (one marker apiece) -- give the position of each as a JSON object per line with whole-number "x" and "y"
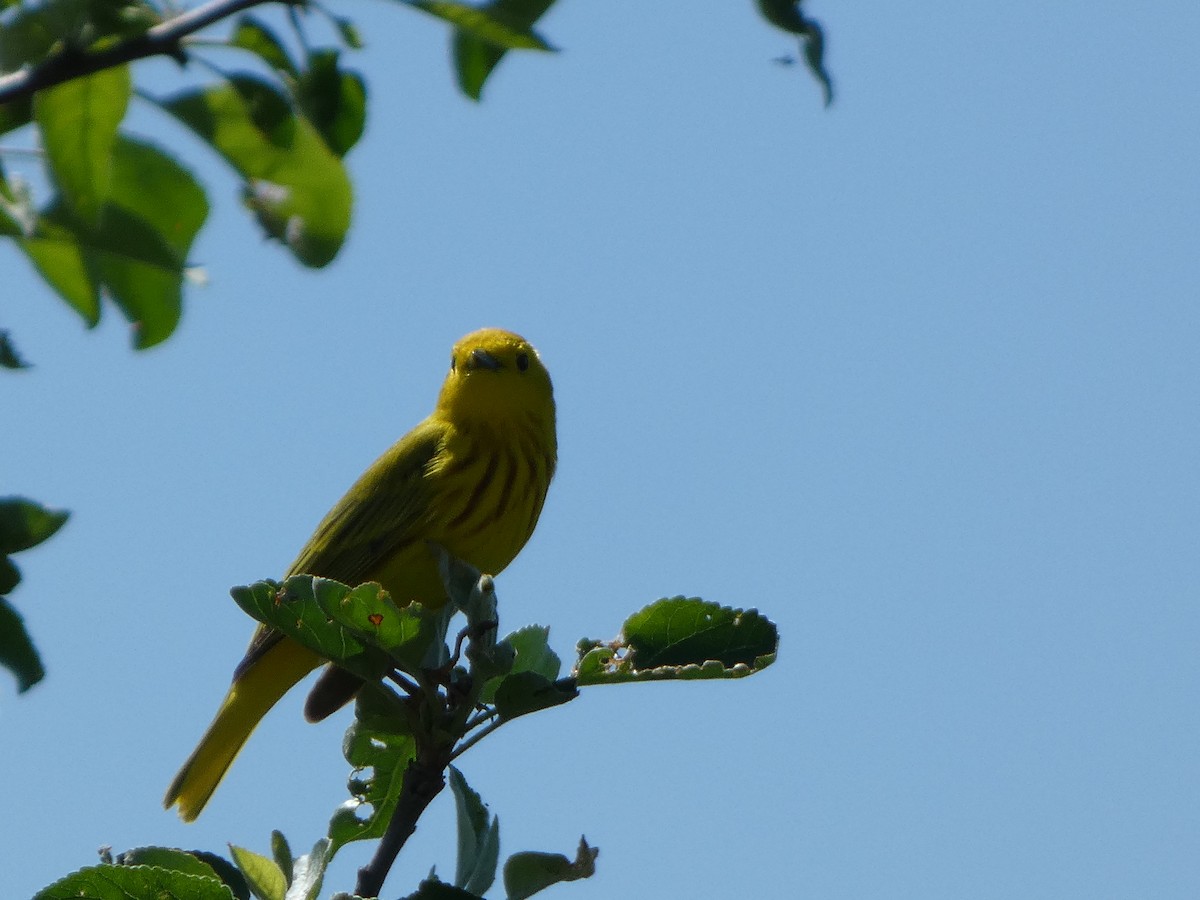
{"x": 423, "y": 780}
{"x": 163, "y": 39}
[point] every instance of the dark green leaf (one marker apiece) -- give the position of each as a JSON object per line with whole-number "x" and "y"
{"x": 478, "y": 838}
{"x": 282, "y": 853}
{"x": 477, "y": 53}
{"x": 251, "y": 34}
{"x": 379, "y": 744}
{"x": 27, "y": 36}
{"x": 788, "y": 16}
{"x": 25, "y": 524}
{"x": 525, "y": 874}
{"x": 333, "y": 100}
{"x": 506, "y": 24}
{"x": 15, "y": 114}
{"x": 525, "y": 692}
{"x": 17, "y": 653}
{"x": 78, "y": 121}
{"x": 226, "y": 871}
{"x": 432, "y": 889}
{"x": 108, "y": 882}
{"x": 681, "y": 639}
{"x": 297, "y": 188}
{"x": 9, "y": 358}
{"x": 10, "y": 575}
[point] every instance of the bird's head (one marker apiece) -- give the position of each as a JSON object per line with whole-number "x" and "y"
{"x": 495, "y": 374}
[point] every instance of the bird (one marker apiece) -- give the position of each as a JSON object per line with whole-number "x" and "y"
{"x": 470, "y": 478}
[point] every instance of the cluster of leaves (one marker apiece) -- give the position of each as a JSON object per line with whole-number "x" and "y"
{"x": 445, "y": 700}
{"x": 123, "y": 212}
{"x": 23, "y": 524}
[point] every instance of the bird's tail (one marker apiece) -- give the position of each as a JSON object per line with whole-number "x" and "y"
{"x": 253, "y": 693}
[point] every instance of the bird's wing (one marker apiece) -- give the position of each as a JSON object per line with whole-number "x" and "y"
{"x": 385, "y": 510}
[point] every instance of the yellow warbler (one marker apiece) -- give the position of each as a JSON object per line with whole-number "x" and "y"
{"x": 472, "y": 478}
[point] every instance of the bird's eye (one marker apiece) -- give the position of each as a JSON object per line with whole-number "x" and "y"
{"x": 522, "y": 361}
{"x": 452, "y": 362}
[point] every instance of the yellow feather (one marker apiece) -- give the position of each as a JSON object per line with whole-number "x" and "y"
{"x": 472, "y": 478}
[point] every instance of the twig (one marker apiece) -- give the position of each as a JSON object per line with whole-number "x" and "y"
{"x": 424, "y": 779}
{"x": 162, "y": 39}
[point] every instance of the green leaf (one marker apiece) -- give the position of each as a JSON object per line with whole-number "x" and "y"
{"x": 531, "y": 653}
{"x": 183, "y": 861}
{"x": 788, "y": 16}
{"x": 17, "y": 653}
{"x": 477, "y": 53}
{"x": 57, "y": 252}
{"x": 9, "y": 358}
{"x": 78, "y": 121}
{"x": 368, "y": 614}
{"x": 295, "y": 185}
{"x": 109, "y": 882}
{"x": 525, "y": 874}
{"x": 282, "y": 853}
{"x": 333, "y": 100}
{"x": 265, "y": 879}
{"x": 478, "y": 838}
{"x": 25, "y": 523}
{"x": 506, "y": 24}
{"x": 379, "y": 744}
{"x": 151, "y": 185}
{"x": 295, "y": 610}
{"x": 27, "y": 36}
{"x": 251, "y": 34}
{"x": 309, "y": 871}
{"x": 525, "y": 692}
{"x": 681, "y": 639}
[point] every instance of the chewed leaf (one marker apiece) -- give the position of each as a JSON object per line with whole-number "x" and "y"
{"x": 525, "y": 874}
{"x": 681, "y": 639}
{"x": 380, "y": 745}
{"x": 295, "y": 610}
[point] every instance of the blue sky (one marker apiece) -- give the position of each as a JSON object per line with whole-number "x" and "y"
{"x": 915, "y": 376}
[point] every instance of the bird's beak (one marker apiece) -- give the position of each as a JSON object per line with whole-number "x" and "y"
{"x": 481, "y": 359}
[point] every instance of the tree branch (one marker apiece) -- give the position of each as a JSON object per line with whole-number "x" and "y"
{"x": 163, "y": 39}
{"x": 424, "y": 779}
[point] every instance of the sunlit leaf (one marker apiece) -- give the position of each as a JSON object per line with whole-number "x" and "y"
{"x": 109, "y": 882}
{"x": 681, "y": 639}
{"x": 296, "y": 186}
{"x": 78, "y": 122}
{"x": 264, "y": 878}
